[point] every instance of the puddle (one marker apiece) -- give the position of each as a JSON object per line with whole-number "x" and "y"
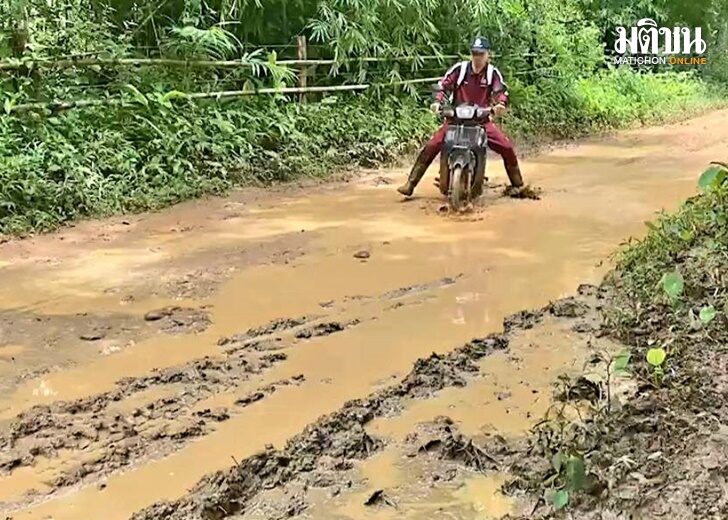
{"x": 512, "y": 393}
{"x": 8, "y": 352}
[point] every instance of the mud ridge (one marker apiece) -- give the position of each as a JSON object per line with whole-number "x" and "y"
{"x": 275, "y": 326}
{"x": 420, "y": 288}
{"x": 341, "y": 435}
{"x": 117, "y": 438}
{"x": 399, "y": 293}
{"x": 443, "y": 438}
{"x": 324, "y": 329}
{"x": 270, "y": 337}
{"x": 265, "y": 391}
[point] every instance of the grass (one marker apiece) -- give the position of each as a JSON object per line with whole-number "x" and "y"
{"x": 692, "y": 242}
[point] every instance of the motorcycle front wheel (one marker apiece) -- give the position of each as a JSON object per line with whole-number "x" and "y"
{"x": 458, "y": 188}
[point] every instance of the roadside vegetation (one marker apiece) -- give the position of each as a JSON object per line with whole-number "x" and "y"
{"x": 83, "y": 134}
{"x": 653, "y": 442}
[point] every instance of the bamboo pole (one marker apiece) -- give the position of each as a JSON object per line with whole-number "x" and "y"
{"x": 56, "y": 106}
{"x": 303, "y": 73}
{"x": 90, "y": 62}
{"x": 273, "y": 90}
{"x": 410, "y": 81}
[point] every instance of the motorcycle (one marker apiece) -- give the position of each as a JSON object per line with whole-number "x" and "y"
{"x": 462, "y": 170}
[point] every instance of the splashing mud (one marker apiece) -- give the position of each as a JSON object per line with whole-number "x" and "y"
{"x": 279, "y": 325}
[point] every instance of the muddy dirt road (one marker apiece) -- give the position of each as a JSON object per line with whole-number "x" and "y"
{"x": 140, "y": 354}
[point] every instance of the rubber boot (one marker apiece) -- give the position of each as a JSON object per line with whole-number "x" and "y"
{"x": 514, "y": 175}
{"x": 418, "y": 171}
{"x": 444, "y": 178}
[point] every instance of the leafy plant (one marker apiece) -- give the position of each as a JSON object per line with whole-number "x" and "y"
{"x": 707, "y": 314}
{"x": 158, "y": 144}
{"x": 569, "y": 477}
{"x": 621, "y": 362}
{"x": 656, "y": 358}
{"x": 673, "y": 284}
{"x": 560, "y": 499}
{"x": 614, "y": 366}
{"x": 713, "y": 177}
{"x": 192, "y": 42}
{"x": 154, "y": 151}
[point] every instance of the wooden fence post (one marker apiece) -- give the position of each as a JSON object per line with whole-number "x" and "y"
{"x": 303, "y": 71}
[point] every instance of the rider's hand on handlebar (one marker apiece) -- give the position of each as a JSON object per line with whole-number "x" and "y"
{"x": 499, "y": 109}
{"x": 435, "y": 107}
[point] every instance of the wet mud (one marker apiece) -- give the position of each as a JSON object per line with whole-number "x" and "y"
{"x": 308, "y": 352}
{"x": 112, "y": 438}
{"x": 50, "y": 341}
{"x": 336, "y": 442}
{"x": 653, "y": 448}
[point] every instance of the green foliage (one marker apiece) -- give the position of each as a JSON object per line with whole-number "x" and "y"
{"x": 673, "y": 284}
{"x": 707, "y": 314}
{"x": 100, "y": 161}
{"x": 159, "y": 146}
{"x": 191, "y": 42}
{"x": 621, "y": 362}
{"x": 656, "y": 359}
{"x": 560, "y": 499}
{"x": 614, "y": 98}
{"x": 575, "y": 473}
{"x": 570, "y": 477}
{"x": 684, "y": 257}
{"x": 713, "y": 177}
{"x": 690, "y": 246}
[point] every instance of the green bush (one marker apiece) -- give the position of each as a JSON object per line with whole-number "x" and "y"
{"x": 100, "y": 161}
{"x": 692, "y": 241}
{"x": 609, "y": 99}
{"x": 153, "y": 152}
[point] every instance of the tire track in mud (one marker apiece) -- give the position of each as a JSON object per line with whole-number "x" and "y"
{"x": 117, "y": 439}
{"x": 333, "y": 442}
{"x": 158, "y": 427}
{"x": 114, "y": 435}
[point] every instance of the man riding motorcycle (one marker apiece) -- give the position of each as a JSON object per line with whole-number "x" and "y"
{"x": 477, "y": 82}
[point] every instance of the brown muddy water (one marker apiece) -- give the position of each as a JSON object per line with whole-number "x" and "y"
{"x": 270, "y": 319}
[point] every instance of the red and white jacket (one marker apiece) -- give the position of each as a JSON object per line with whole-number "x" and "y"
{"x": 484, "y": 89}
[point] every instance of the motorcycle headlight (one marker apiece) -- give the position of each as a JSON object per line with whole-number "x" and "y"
{"x": 465, "y": 111}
